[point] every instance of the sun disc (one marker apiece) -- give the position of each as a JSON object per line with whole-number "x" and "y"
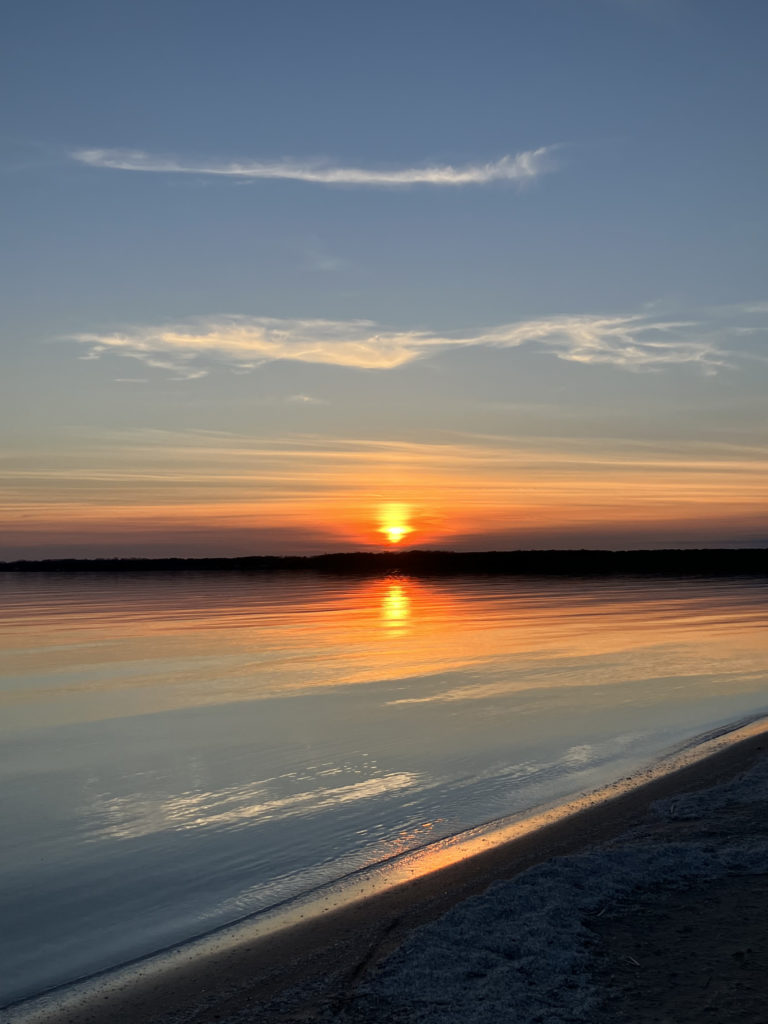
{"x": 396, "y": 533}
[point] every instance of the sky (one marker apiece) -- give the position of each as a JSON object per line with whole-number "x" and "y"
{"x": 293, "y": 277}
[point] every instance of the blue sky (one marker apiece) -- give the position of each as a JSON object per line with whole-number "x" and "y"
{"x": 504, "y": 227}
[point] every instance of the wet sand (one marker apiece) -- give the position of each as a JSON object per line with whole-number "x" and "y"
{"x": 649, "y": 905}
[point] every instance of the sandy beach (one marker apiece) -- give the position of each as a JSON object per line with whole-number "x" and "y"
{"x": 650, "y": 905}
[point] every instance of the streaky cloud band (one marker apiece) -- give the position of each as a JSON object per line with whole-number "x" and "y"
{"x": 242, "y": 343}
{"x": 523, "y": 166}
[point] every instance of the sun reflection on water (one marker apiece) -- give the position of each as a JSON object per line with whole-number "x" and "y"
{"x": 396, "y": 604}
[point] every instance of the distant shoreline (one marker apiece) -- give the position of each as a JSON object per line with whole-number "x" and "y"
{"x": 557, "y": 563}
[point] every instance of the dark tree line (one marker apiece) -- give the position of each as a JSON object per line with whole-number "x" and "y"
{"x": 676, "y": 562}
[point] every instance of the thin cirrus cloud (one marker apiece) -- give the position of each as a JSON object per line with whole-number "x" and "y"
{"x": 188, "y": 351}
{"x": 523, "y": 166}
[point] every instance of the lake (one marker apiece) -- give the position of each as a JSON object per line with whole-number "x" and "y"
{"x": 180, "y": 751}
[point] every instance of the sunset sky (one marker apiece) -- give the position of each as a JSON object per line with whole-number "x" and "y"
{"x": 294, "y": 277}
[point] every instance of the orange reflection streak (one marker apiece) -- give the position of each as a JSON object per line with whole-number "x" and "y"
{"x": 102, "y": 650}
{"x": 396, "y": 605}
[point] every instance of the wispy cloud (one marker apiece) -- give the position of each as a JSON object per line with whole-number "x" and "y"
{"x": 306, "y": 400}
{"x": 518, "y": 167}
{"x": 242, "y": 343}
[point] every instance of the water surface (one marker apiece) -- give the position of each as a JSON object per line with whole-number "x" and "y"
{"x": 181, "y": 750}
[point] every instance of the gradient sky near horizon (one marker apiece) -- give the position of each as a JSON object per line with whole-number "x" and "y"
{"x": 297, "y": 277}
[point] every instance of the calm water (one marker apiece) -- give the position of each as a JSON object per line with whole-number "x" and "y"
{"x": 180, "y": 751}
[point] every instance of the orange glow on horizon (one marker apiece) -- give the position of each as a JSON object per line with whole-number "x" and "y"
{"x": 155, "y": 499}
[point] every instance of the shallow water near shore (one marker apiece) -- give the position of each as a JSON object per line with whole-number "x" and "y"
{"x": 184, "y": 750}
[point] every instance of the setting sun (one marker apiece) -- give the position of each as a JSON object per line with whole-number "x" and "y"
{"x": 393, "y": 522}
{"x": 396, "y": 533}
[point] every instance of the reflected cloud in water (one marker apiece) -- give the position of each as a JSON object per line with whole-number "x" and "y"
{"x": 237, "y": 807}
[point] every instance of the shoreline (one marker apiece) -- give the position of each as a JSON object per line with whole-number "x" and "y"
{"x": 303, "y": 956}
{"x": 555, "y": 563}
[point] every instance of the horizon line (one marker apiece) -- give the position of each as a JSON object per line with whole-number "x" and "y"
{"x": 417, "y": 561}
